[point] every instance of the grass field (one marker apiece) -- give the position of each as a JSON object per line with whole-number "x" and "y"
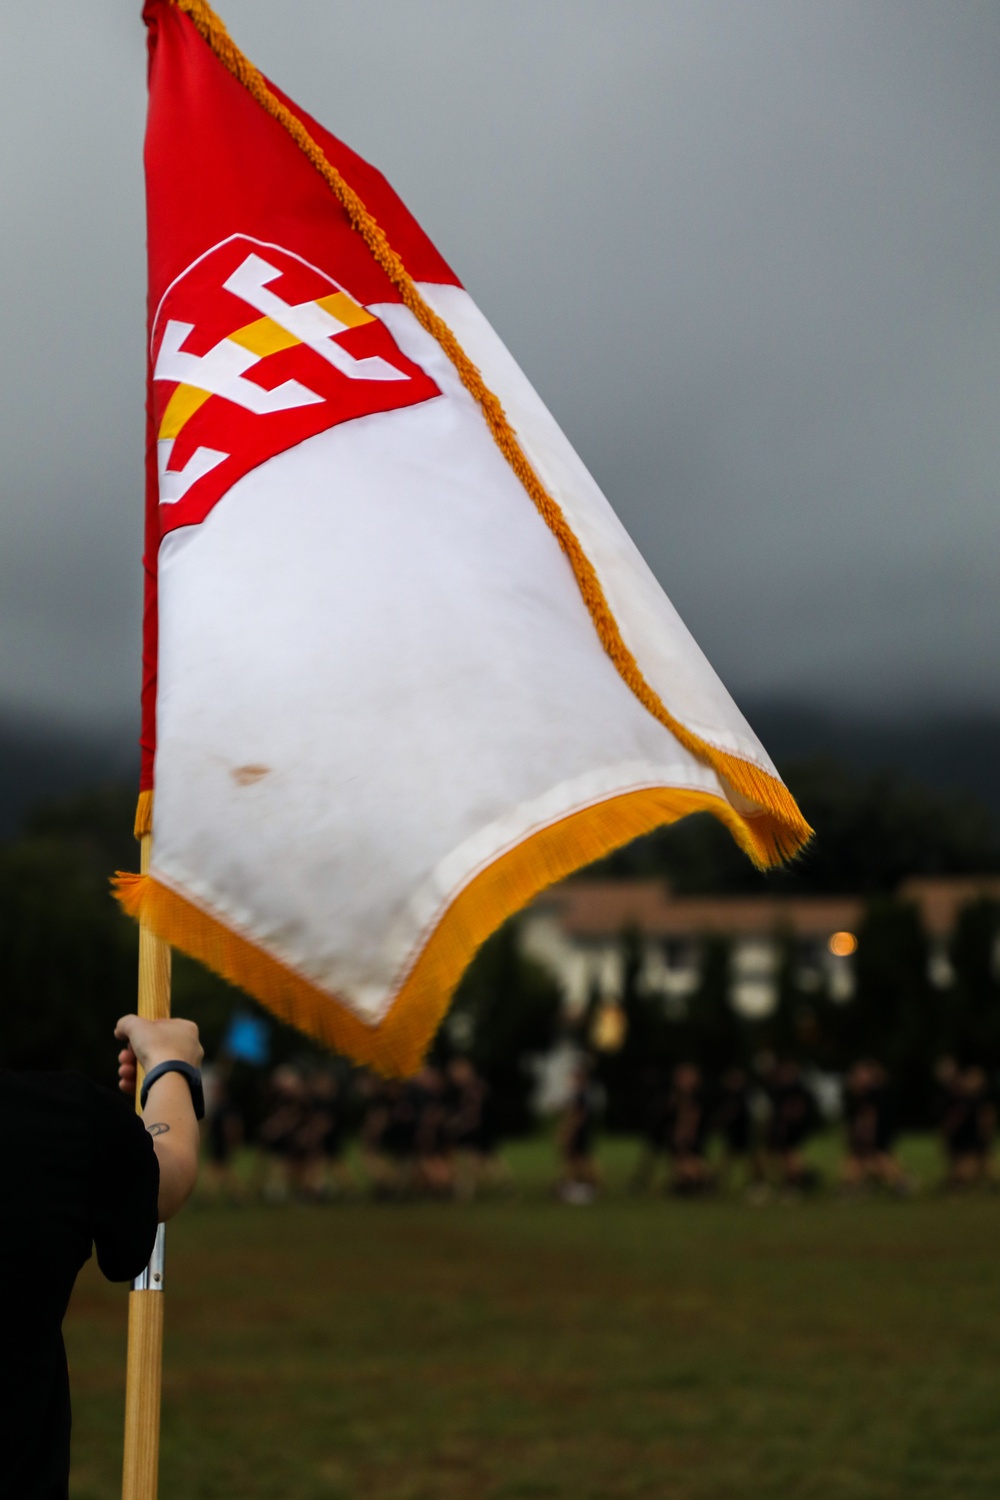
{"x": 690, "y": 1351}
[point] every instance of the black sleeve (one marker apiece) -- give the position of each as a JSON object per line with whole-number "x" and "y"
{"x": 126, "y": 1185}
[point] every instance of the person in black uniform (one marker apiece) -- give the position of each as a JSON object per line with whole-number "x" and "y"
{"x": 400, "y": 1137}
{"x": 79, "y": 1168}
{"x": 473, "y": 1128}
{"x": 433, "y": 1173}
{"x": 224, "y": 1135}
{"x": 375, "y": 1156}
{"x": 327, "y": 1172}
{"x": 581, "y": 1175}
{"x": 655, "y": 1119}
{"x": 734, "y": 1122}
{"x": 969, "y": 1125}
{"x": 792, "y": 1122}
{"x": 282, "y": 1133}
{"x": 687, "y": 1132}
{"x": 871, "y": 1131}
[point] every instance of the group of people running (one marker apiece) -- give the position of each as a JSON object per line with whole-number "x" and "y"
{"x": 763, "y": 1121}
{"x": 436, "y": 1135}
{"x": 432, "y": 1135}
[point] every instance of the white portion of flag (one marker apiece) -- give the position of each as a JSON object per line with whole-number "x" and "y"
{"x": 377, "y": 674}
{"x": 670, "y": 658}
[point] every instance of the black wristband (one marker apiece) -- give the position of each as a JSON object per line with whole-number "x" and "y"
{"x": 188, "y": 1071}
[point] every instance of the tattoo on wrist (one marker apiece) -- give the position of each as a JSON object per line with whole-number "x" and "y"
{"x": 158, "y": 1129}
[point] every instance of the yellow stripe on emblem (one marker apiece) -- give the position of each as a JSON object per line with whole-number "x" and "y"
{"x": 262, "y": 337}
{"x": 183, "y": 404}
{"x": 344, "y": 308}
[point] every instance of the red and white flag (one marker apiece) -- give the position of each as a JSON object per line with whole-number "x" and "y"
{"x": 403, "y": 665}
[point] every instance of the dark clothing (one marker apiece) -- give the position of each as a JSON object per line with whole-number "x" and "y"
{"x": 656, "y": 1106}
{"x": 77, "y": 1168}
{"x": 686, "y": 1124}
{"x": 735, "y": 1121}
{"x": 886, "y": 1124}
{"x": 965, "y": 1128}
{"x": 473, "y": 1123}
{"x": 580, "y": 1140}
{"x": 332, "y": 1136}
{"x": 399, "y": 1138}
{"x": 225, "y": 1130}
{"x": 483, "y": 1135}
{"x": 282, "y": 1133}
{"x": 793, "y": 1114}
{"x": 871, "y": 1122}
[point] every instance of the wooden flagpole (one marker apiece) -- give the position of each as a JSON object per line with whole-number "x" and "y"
{"x": 140, "y": 1473}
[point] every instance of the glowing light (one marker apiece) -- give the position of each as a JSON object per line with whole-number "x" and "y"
{"x": 609, "y": 1028}
{"x": 843, "y": 944}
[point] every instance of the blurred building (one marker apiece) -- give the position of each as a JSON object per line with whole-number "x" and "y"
{"x": 576, "y": 931}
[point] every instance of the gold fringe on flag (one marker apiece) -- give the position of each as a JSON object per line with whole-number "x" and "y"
{"x": 784, "y": 831}
{"x": 396, "y": 1046}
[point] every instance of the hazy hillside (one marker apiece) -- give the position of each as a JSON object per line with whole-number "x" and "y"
{"x": 39, "y": 762}
{"x": 948, "y": 752}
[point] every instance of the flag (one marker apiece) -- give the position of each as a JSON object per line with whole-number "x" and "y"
{"x": 403, "y": 666}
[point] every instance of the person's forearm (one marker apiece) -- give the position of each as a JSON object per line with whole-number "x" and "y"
{"x": 169, "y": 1114}
{"x": 169, "y": 1117}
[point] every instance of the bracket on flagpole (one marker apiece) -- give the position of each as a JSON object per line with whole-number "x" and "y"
{"x": 151, "y": 1279}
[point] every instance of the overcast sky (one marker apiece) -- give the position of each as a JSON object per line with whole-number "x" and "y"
{"x": 747, "y": 253}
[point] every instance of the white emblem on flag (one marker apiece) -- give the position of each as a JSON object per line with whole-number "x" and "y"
{"x": 175, "y": 483}
{"x": 308, "y": 322}
{"x": 356, "y": 380}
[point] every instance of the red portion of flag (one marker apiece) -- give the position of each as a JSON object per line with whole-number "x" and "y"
{"x": 217, "y": 164}
{"x": 255, "y": 350}
{"x": 217, "y": 167}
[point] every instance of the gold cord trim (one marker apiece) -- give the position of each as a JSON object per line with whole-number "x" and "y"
{"x": 397, "y": 1045}
{"x": 789, "y": 831}
{"x": 143, "y": 815}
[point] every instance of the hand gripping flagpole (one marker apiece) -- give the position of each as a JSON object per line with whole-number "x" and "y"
{"x": 145, "y": 1304}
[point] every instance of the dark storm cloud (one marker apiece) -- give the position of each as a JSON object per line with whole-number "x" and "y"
{"x": 746, "y": 253}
